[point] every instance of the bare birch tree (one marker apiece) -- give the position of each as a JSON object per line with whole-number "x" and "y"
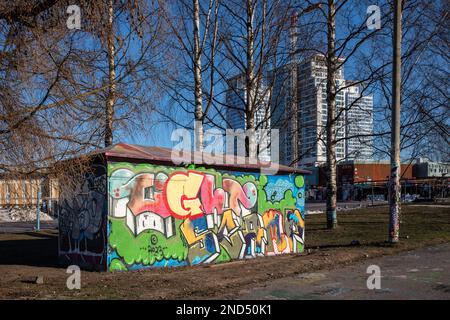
{"x": 337, "y": 52}
{"x": 255, "y": 49}
{"x": 111, "y": 76}
{"x": 194, "y": 26}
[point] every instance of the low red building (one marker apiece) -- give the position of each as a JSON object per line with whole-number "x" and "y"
{"x": 366, "y": 180}
{"x": 365, "y": 171}
{"x": 358, "y": 180}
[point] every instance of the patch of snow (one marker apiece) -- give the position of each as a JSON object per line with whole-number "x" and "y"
{"x": 314, "y": 212}
{"x": 22, "y": 214}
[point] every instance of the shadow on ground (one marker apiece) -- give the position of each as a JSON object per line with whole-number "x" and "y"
{"x": 39, "y": 249}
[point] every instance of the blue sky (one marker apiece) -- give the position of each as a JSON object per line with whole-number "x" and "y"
{"x": 159, "y": 132}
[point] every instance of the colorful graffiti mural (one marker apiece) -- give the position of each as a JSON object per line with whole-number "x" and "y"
{"x": 172, "y": 216}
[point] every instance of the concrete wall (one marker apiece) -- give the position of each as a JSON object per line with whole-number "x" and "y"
{"x": 172, "y": 216}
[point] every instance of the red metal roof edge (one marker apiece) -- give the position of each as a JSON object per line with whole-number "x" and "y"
{"x": 140, "y": 153}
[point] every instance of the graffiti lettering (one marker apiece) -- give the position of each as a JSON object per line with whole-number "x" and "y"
{"x": 166, "y": 216}
{"x": 182, "y": 194}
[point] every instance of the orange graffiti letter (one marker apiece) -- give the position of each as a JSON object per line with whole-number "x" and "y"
{"x": 181, "y": 193}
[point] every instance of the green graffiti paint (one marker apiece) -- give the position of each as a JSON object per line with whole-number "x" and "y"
{"x": 146, "y": 248}
{"x": 117, "y": 265}
{"x": 157, "y": 216}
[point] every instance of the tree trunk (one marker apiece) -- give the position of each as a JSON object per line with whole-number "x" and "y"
{"x": 111, "y": 76}
{"x": 197, "y": 64}
{"x": 250, "y": 82}
{"x": 293, "y": 107}
{"x": 394, "y": 183}
{"x": 331, "y": 119}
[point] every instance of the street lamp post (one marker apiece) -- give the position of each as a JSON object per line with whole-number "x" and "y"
{"x": 38, "y": 209}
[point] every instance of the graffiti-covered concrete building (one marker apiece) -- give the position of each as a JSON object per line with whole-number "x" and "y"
{"x": 137, "y": 209}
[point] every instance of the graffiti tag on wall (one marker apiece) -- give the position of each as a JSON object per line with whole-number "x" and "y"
{"x": 168, "y": 216}
{"x": 82, "y": 222}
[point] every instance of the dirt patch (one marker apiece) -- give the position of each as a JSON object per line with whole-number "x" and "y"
{"x": 34, "y": 254}
{"x": 442, "y": 287}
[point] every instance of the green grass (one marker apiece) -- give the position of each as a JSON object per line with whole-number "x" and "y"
{"x": 420, "y": 226}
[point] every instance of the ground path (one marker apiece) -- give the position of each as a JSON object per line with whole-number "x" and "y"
{"x": 417, "y": 274}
